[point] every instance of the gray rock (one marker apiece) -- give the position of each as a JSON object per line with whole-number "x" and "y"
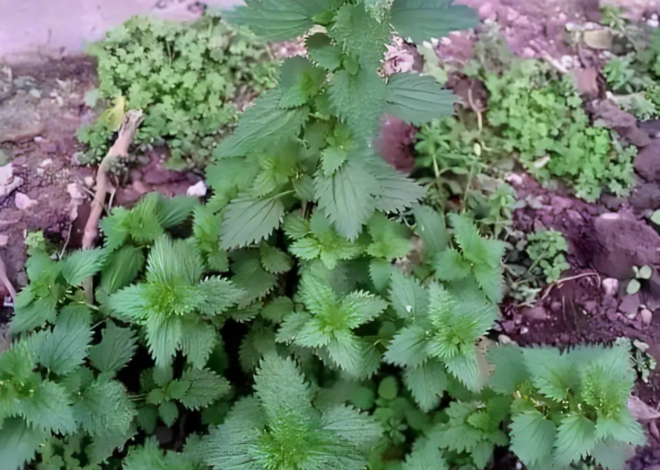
{"x": 621, "y": 243}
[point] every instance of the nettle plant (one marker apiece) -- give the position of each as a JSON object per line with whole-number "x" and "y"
{"x": 312, "y": 314}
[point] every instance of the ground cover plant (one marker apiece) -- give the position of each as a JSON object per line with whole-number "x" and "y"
{"x": 189, "y": 78}
{"x": 320, "y": 309}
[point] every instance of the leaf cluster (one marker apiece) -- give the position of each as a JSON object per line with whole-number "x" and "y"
{"x": 190, "y": 79}
{"x": 568, "y": 406}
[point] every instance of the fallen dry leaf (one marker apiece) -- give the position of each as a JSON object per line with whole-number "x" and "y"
{"x": 600, "y": 39}
{"x": 641, "y": 411}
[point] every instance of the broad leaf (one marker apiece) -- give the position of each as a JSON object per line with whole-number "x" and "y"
{"x": 18, "y": 443}
{"x": 532, "y": 437}
{"x": 346, "y": 199}
{"x": 115, "y": 350}
{"x": 422, "y": 20}
{"x": 250, "y": 220}
{"x": 418, "y": 99}
{"x": 78, "y": 266}
{"x": 426, "y": 383}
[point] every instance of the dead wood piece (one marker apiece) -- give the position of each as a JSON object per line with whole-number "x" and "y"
{"x": 4, "y": 280}
{"x": 129, "y": 126}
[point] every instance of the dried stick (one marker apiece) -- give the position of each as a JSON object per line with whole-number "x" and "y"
{"x": 4, "y": 280}
{"x": 132, "y": 120}
{"x": 119, "y": 150}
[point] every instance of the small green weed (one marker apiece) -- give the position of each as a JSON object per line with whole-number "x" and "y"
{"x": 188, "y": 78}
{"x": 546, "y": 250}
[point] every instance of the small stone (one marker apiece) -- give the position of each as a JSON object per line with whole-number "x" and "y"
{"x": 524, "y": 330}
{"x": 4, "y": 239}
{"x": 24, "y": 202}
{"x": 504, "y": 339}
{"x": 535, "y": 313}
{"x": 46, "y": 162}
{"x": 610, "y": 287}
{"x": 646, "y": 316}
{"x": 198, "y": 189}
{"x": 630, "y": 304}
{"x": 631, "y": 316}
{"x": 89, "y": 181}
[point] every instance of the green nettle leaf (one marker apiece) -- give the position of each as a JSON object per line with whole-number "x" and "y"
{"x": 408, "y": 347}
{"x": 510, "y": 371}
{"x": 277, "y": 20}
{"x": 425, "y": 456}
{"x": 274, "y": 260}
{"x": 122, "y": 268}
{"x": 532, "y": 437}
{"x": 168, "y": 412}
{"x": 49, "y": 409}
{"x": 323, "y": 52}
{"x": 300, "y": 81}
{"x": 427, "y": 384}
{"x": 361, "y": 35}
{"x": 449, "y": 265}
{"x": 174, "y": 211}
{"x": 18, "y": 443}
{"x": 346, "y": 198}
{"x": 576, "y": 438}
{"x": 249, "y": 220}
{"x": 407, "y": 295}
{"x": 390, "y": 239}
{"x": 422, "y": 20}
{"x": 430, "y": 226}
{"x": 65, "y": 348}
{"x": 263, "y": 126}
{"x": 115, "y": 350}
{"x": 205, "y": 386}
{"x": 80, "y": 265}
{"x": 418, "y": 99}
{"x": 362, "y": 114}
{"x": 279, "y": 428}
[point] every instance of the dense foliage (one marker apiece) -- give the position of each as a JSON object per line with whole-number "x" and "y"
{"x": 189, "y": 78}
{"x": 537, "y": 116}
{"x": 313, "y": 314}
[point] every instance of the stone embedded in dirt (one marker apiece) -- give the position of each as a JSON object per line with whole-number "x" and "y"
{"x": 537, "y": 313}
{"x": 19, "y": 120}
{"x": 650, "y": 127}
{"x": 640, "y": 410}
{"x": 647, "y": 162}
{"x": 610, "y": 287}
{"x": 630, "y": 304}
{"x": 197, "y": 189}
{"x": 621, "y": 242}
{"x": 23, "y": 201}
{"x": 645, "y": 197}
{"x": 646, "y": 316}
{"x": 625, "y": 124}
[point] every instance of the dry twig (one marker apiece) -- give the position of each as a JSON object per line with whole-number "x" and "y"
{"x": 4, "y": 280}
{"x": 119, "y": 150}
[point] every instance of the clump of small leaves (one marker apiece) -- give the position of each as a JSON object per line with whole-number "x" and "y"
{"x": 568, "y": 406}
{"x": 541, "y": 117}
{"x": 546, "y": 251}
{"x": 189, "y": 78}
{"x": 642, "y": 273}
